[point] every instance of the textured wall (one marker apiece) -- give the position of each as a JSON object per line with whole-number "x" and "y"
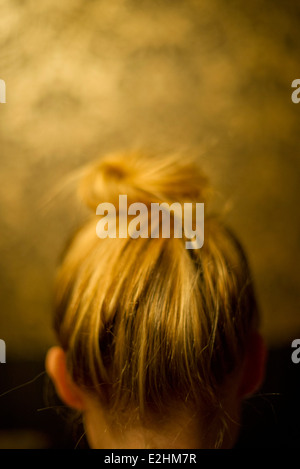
{"x": 86, "y": 77}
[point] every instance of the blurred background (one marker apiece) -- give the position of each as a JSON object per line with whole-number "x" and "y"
{"x": 84, "y": 78}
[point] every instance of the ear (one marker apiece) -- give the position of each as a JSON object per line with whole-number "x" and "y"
{"x": 67, "y": 390}
{"x": 254, "y": 365}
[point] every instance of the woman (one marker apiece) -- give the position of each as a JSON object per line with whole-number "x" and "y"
{"x": 158, "y": 344}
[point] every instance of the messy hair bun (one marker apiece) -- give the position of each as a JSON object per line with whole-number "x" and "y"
{"x": 144, "y": 178}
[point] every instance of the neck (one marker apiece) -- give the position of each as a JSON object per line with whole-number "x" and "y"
{"x": 182, "y": 431}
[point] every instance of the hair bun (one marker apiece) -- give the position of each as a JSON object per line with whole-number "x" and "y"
{"x": 143, "y": 178}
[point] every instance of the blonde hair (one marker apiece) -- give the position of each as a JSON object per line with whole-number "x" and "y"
{"x": 146, "y": 323}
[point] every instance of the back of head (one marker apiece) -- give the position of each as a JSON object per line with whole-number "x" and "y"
{"x": 148, "y": 325}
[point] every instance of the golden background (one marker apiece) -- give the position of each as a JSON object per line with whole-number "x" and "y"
{"x": 87, "y": 77}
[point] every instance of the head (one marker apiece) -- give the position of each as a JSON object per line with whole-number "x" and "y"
{"x": 158, "y": 345}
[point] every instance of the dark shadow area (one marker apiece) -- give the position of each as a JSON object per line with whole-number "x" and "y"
{"x": 33, "y": 417}
{"x": 271, "y": 418}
